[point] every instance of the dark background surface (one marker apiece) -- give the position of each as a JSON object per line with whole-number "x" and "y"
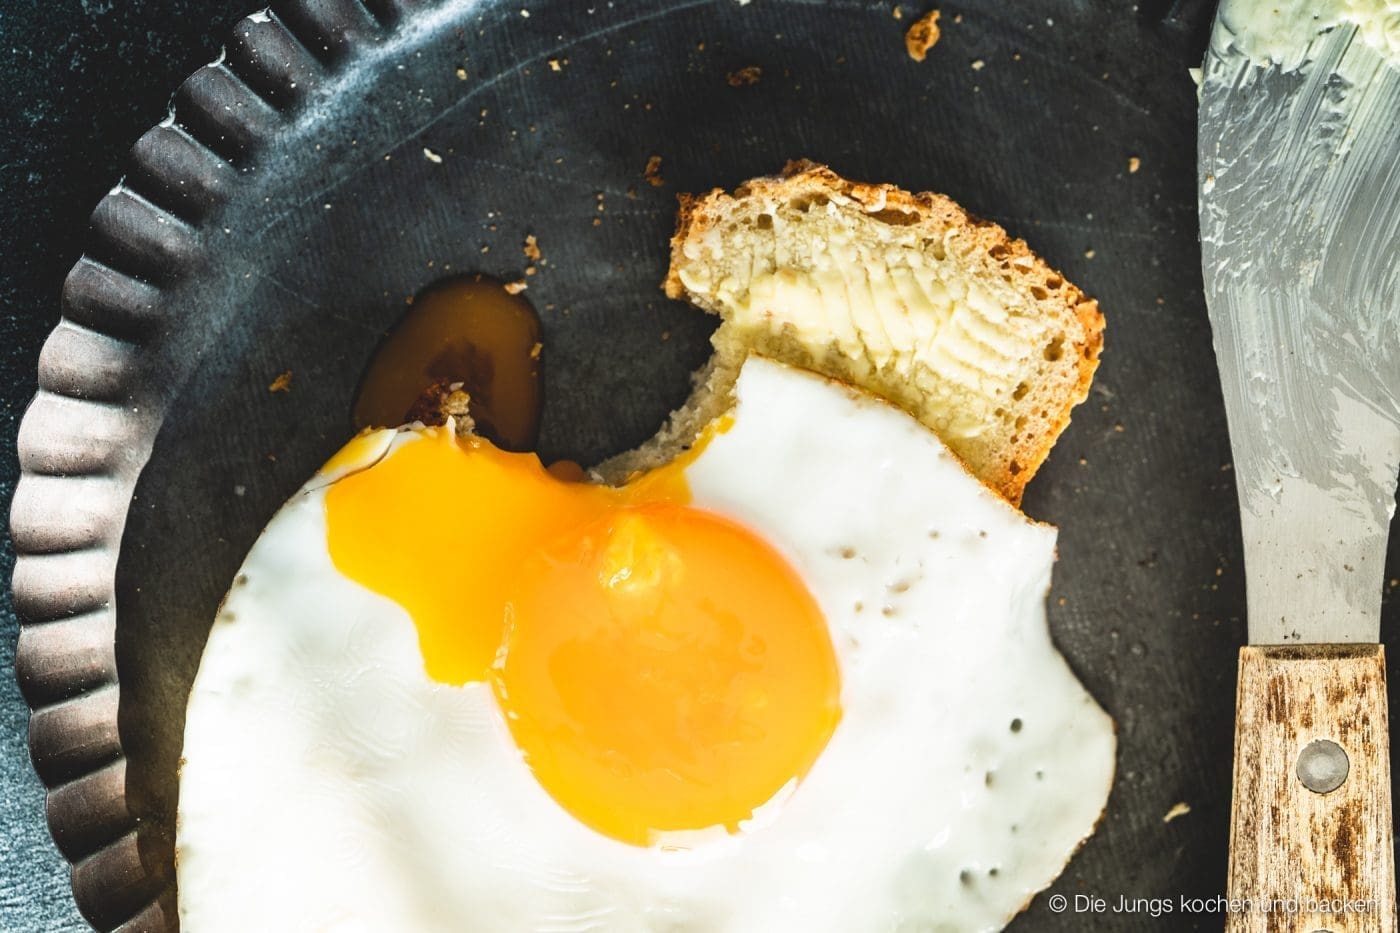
{"x": 1148, "y": 597}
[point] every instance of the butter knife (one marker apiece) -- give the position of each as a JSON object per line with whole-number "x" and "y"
{"x": 1299, "y": 183}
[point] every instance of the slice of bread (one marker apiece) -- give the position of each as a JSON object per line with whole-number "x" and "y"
{"x": 905, "y": 295}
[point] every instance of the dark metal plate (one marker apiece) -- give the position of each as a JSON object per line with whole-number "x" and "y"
{"x": 283, "y": 215}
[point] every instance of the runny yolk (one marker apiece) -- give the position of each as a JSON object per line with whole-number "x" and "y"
{"x": 465, "y": 329}
{"x": 661, "y": 668}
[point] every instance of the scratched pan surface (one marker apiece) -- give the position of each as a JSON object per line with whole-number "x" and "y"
{"x": 342, "y": 156}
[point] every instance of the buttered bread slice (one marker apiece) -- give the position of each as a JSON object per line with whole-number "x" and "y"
{"x": 905, "y": 295}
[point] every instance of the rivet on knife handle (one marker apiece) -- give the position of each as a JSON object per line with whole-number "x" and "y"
{"x": 1311, "y": 844}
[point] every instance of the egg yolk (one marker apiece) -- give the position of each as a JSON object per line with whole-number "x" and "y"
{"x": 661, "y": 668}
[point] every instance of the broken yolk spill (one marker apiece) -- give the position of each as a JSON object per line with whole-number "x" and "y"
{"x": 468, "y": 330}
{"x": 661, "y": 668}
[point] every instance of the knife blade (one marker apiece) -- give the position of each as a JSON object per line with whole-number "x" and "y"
{"x": 1299, "y": 184}
{"x": 1300, "y": 244}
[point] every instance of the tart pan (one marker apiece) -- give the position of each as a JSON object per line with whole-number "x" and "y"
{"x": 340, "y": 155}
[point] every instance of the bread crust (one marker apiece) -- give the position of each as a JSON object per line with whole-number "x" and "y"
{"x": 936, "y": 214}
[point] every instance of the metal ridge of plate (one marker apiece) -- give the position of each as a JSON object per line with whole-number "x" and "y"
{"x": 90, "y": 429}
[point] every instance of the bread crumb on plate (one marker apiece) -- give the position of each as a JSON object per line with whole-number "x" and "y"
{"x": 922, "y": 35}
{"x": 1177, "y": 811}
{"x": 652, "y": 173}
{"x": 744, "y": 77}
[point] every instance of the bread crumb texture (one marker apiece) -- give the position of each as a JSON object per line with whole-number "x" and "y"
{"x": 444, "y": 402}
{"x": 744, "y": 77}
{"x": 652, "y": 173}
{"x": 905, "y": 295}
{"x": 923, "y": 35}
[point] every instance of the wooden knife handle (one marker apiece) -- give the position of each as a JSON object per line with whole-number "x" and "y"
{"x": 1304, "y": 857}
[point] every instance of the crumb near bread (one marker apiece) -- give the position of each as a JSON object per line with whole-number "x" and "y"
{"x": 923, "y": 35}
{"x": 652, "y": 173}
{"x": 905, "y": 295}
{"x": 1177, "y": 811}
{"x": 744, "y": 77}
{"x": 441, "y": 403}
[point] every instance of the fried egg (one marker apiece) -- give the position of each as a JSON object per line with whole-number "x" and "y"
{"x": 798, "y": 679}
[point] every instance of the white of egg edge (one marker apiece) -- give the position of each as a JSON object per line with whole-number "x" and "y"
{"x": 328, "y": 783}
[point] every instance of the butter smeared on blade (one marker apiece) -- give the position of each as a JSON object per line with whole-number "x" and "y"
{"x": 1300, "y": 240}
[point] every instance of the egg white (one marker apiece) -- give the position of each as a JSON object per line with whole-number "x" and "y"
{"x": 329, "y": 784}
